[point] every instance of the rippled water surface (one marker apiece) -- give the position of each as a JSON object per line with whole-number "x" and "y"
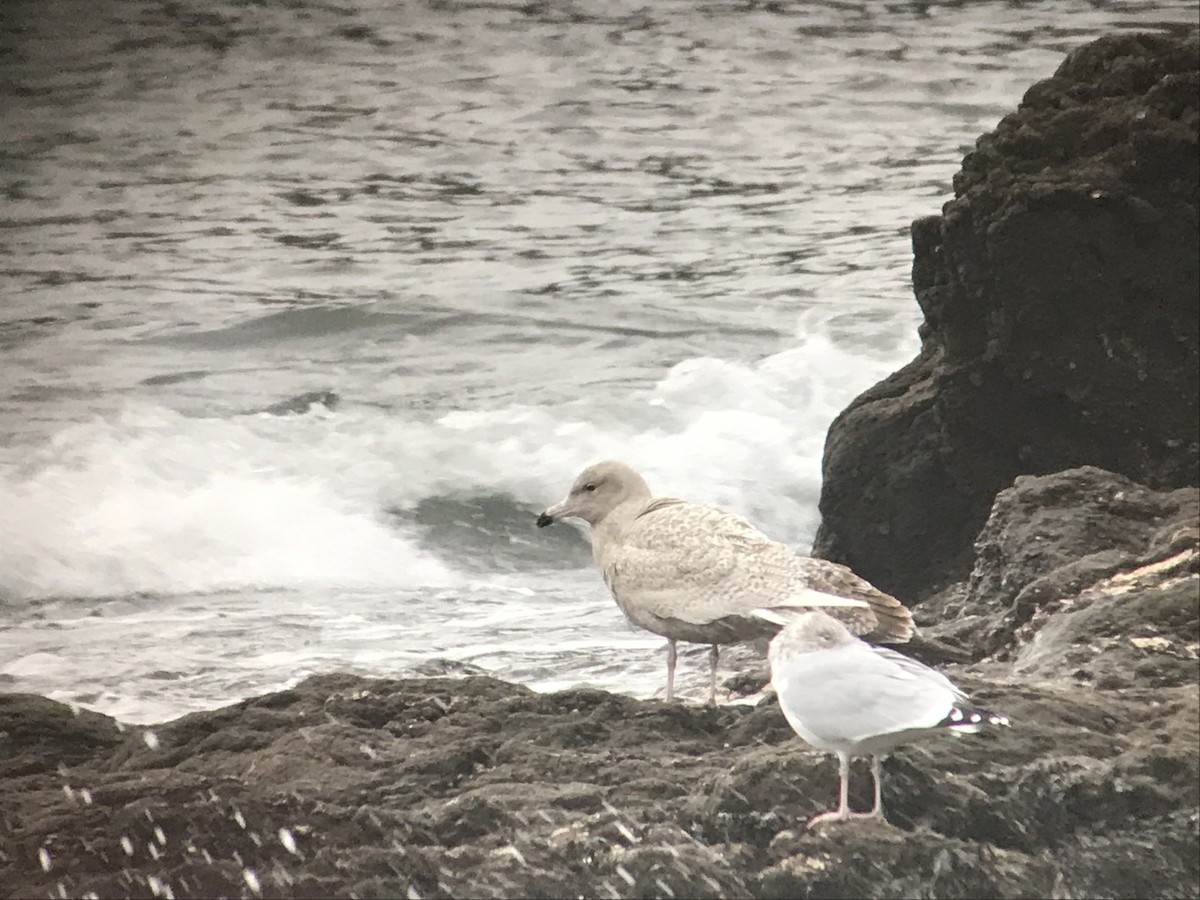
{"x": 308, "y": 308}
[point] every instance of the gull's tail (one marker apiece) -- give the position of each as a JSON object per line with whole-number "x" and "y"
{"x": 889, "y": 620}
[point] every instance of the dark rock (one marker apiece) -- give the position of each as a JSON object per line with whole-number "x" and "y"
{"x": 37, "y": 734}
{"x": 439, "y": 787}
{"x": 1061, "y": 293}
{"x": 1084, "y": 575}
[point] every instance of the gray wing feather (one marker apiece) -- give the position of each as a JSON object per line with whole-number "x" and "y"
{"x": 854, "y": 692}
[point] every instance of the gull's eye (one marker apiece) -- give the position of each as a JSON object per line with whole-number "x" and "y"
{"x": 590, "y": 486}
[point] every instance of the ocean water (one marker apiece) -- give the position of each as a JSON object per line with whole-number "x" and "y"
{"x": 309, "y": 308}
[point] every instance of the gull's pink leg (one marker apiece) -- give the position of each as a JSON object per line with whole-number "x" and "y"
{"x": 842, "y": 813}
{"x": 877, "y": 774}
{"x": 877, "y": 810}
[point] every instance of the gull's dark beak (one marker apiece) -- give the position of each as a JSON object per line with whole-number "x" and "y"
{"x": 552, "y": 514}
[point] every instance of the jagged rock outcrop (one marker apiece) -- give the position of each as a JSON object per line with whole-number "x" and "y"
{"x": 1082, "y": 576}
{"x": 1061, "y": 293}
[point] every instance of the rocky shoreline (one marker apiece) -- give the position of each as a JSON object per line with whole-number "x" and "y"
{"x": 1046, "y": 525}
{"x": 451, "y": 787}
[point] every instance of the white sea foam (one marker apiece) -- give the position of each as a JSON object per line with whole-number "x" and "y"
{"x": 748, "y": 437}
{"x": 153, "y": 501}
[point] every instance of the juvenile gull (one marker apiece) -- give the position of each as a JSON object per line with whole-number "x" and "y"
{"x": 696, "y": 573}
{"x": 846, "y": 697}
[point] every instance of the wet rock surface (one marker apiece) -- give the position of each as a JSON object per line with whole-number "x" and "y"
{"x": 1080, "y": 620}
{"x": 345, "y": 786}
{"x": 1061, "y": 293}
{"x": 1082, "y": 575}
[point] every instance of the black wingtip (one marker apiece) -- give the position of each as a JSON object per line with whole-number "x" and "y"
{"x": 969, "y": 718}
{"x": 543, "y": 520}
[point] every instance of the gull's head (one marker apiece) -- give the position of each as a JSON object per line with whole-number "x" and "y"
{"x": 598, "y": 490}
{"x": 806, "y": 632}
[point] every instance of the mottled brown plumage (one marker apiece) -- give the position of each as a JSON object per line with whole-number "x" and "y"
{"x": 694, "y": 573}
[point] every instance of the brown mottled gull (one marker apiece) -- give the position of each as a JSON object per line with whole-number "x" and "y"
{"x": 695, "y": 573}
{"x": 846, "y": 697}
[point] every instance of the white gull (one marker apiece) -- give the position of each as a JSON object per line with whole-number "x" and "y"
{"x": 846, "y": 697}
